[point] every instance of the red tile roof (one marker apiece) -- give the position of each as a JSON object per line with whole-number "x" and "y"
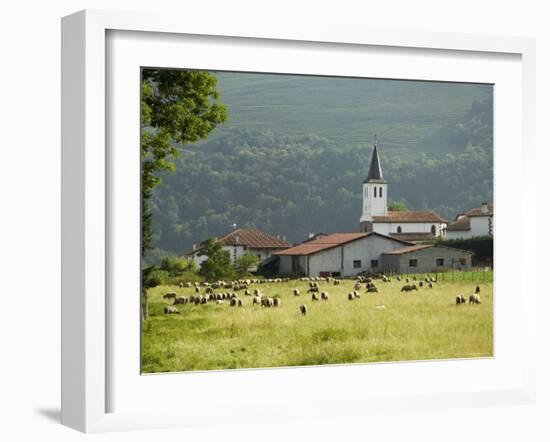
{"x": 409, "y": 216}
{"x": 250, "y": 238}
{"x": 477, "y": 211}
{"x": 411, "y": 236}
{"x": 461, "y": 224}
{"x": 328, "y": 242}
{"x": 408, "y": 249}
{"x": 253, "y": 238}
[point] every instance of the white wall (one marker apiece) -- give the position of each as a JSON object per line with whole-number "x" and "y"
{"x": 374, "y": 206}
{"x": 479, "y": 226}
{"x": 387, "y": 228}
{"x": 30, "y": 32}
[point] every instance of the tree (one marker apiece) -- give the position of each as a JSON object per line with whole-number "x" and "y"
{"x": 397, "y": 206}
{"x": 177, "y": 107}
{"x": 218, "y": 264}
{"x": 246, "y": 262}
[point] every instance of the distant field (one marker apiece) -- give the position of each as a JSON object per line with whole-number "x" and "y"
{"x": 417, "y": 325}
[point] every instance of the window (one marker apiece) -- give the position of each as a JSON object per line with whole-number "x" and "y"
{"x": 380, "y": 191}
{"x": 462, "y": 261}
{"x": 433, "y": 230}
{"x": 413, "y": 262}
{"x": 374, "y": 263}
{"x": 357, "y": 264}
{"x": 399, "y": 229}
{"x": 439, "y": 262}
{"x": 375, "y": 192}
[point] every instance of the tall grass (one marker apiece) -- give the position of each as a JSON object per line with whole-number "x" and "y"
{"x": 420, "y": 325}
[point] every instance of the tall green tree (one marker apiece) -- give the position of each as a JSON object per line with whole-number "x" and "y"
{"x": 245, "y": 263}
{"x": 218, "y": 264}
{"x": 178, "y": 107}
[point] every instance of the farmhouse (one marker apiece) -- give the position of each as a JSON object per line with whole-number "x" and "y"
{"x": 240, "y": 241}
{"x": 475, "y": 222}
{"x": 423, "y": 258}
{"x": 405, "y": 225}
{"x": 338, "y": 254}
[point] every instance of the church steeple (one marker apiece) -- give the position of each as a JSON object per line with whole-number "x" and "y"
{"x": 375, "y": 170}
{"x": 375, "y": 193}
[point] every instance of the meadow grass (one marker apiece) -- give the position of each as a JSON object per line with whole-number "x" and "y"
{"x": 420, "y": 325}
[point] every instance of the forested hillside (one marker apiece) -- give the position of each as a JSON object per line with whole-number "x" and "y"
{"x": 295, "y": 151}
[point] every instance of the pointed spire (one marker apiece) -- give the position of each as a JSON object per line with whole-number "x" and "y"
{"x": 375, "y": 170}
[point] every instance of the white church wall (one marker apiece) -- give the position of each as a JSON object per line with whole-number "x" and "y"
{"x": 390, "y": 228}
{"x": 374, "y": 205}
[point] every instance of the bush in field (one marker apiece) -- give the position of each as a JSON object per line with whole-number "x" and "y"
{"x": 245, "y": 263}
{"x": 176, "y": 266}
{"x": 218, "y": 264}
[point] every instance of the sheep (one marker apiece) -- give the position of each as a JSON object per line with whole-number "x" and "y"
{"x": 303, "y": 309}
{"x": 351, "y": 296}
{"x": 314, "y": 297}
{"x": 296, "y": 292}
{"x": 431, "y": 285}
{"x": 372, "y": 290}
{"x": 474, "y": 299}
{"x": 277, "y": 302}
{"x": 239, "y": 303}
{"x": 313, "y": 290}
{"x": 256, "y": 292}
{"x": 324, "y": 296}
{"x": 233, "y": 302}
{"x": 181, "y": 285}
{"x": 256, "y": 300}
{"x": 219, "y": 302}
{"x": 478, "y": 289}
{"x": 197, "y": 300}
{"x": 170, "y": 295}
{"x": 180, "y": 300}
{"x": 409, "y": 287}
{"x": 247, "y": 293}
{"x": 432, "y": 279}
{"x": 169, "y": 310}
{"x": 197, "y": 290}
{"x": 421, "y": 284}
{"x": 399, "y": 278}
{"x": 460, "y": 299}
{"x": 336, "y": 282}
{"x": 357, "y": 286}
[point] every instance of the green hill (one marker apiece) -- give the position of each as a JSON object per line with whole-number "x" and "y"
{"x": 407, "y": 116}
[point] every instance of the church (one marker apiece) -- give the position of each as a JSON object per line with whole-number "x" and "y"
{"x": 406, "y": 225}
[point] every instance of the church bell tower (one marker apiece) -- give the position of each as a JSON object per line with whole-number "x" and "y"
{"x": 375, "y": 193}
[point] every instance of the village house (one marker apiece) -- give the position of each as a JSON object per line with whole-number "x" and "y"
{"x": 338, "y": 254}
{"x": 473, "y": 223}
{"x": 240, "y": 241}
{"x": 347, "y": 254}
{"x": 406, "y": 225}
{"x": 424, "y": 258}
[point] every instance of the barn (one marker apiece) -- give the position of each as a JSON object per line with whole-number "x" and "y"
{"x": 338, "y": 254}
{"x": 424, "y": 258}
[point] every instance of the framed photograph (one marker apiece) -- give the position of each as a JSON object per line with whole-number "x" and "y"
{"x": 291, "y": 223}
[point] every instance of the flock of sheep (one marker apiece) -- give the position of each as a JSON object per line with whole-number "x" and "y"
{"x": 212, "y": 293}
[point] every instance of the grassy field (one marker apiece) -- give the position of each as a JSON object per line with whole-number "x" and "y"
{"x": 425, "y": 324}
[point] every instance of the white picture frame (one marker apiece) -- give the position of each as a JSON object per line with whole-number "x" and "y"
{"x": 87, "y": 209}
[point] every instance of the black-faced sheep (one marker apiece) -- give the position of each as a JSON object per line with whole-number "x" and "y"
{"x": 372, "y": 290}
{"x": 170, "y": 295}
{"x": 296, "y": 292}
{"x": 180, "y": 300}
{"x": 478, "y": 289}
{"x": 409, "y": 287}
{"x": 169, "y": 310}
{"x": 460, "y": 299}
{"x": 303, "y": 309}
{"x": 324, "y": 296}
{"x": 351, "y": 296}
{"x": 277, "y": 302}
{"x": 314, "y": 297}
{"x": 256, "y": 300}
